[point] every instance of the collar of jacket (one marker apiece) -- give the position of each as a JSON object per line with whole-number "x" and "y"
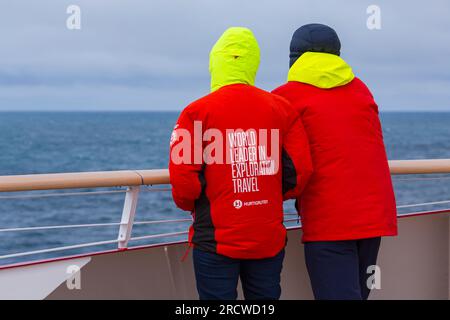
{"x": 322, "y": 70}
{"x": 234, "y": 58}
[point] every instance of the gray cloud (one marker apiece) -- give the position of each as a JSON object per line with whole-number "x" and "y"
{"x": 153, "y": 55}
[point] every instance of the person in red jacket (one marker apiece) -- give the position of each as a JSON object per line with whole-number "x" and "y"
{"x": 235, "y": 155}
{"x": 349, "y": 202}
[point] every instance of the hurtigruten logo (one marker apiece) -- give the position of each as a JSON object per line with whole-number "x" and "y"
{"x": 239, "y": 204}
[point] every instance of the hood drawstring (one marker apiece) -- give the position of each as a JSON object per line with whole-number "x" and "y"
{"x": 186, "y": 254}
{"x": 190, "y": 244}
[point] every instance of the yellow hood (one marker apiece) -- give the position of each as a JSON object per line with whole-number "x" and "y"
{"x": 322, "y": 70}
{"x": 234, "y": 58}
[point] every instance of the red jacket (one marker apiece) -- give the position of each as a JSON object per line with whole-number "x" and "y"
{"x": 238, "y": 205}
{"x": 350, "y": 194}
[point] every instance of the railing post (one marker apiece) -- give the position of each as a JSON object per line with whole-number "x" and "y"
{"x": 128, "y": 213}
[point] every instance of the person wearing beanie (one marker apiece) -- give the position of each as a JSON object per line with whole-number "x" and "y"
{"x": 349, "y": 202}
{"x": 227, "y": 180}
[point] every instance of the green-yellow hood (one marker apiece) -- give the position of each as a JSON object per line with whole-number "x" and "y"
{"x": 322, "y": 70}
{"x": 234, "y": 58}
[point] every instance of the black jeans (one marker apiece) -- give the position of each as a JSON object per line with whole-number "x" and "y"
{"x": 338, "y": 269}
{"x": 217, "y": 276}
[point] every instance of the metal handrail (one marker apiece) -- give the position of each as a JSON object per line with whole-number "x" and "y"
{"x": 423, "y": 204}
{"x": 134, "y": 180}
{"x": 98, "y": 243}
{"x": 91, "y": 225}
{"x": 426, "y": 166}
{"x": 64, "y": 248}
{"x": 81, "y": 180}
{"x": 60, "y": 194}
{"x": 161, "y": 176}
{"x": 148, "y": 222}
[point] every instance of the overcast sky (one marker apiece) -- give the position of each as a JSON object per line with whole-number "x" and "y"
{"x": 153, "y": 54}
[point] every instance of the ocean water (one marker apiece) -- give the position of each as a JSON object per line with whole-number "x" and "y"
{"x": 70, "y": 142}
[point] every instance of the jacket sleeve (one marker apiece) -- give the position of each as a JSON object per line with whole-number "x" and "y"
{"x": 184, "y": 173}
{"x": 296, "y": 157}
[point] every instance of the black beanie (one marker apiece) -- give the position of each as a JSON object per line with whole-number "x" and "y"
{"x": 314, "y": 37}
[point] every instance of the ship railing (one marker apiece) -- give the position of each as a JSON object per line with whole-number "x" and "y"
{"x": 136, "y": 181}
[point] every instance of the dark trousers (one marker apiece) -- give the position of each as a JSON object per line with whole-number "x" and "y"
{"x": 217, "y": 276}
{"x": 338, "y": 269}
